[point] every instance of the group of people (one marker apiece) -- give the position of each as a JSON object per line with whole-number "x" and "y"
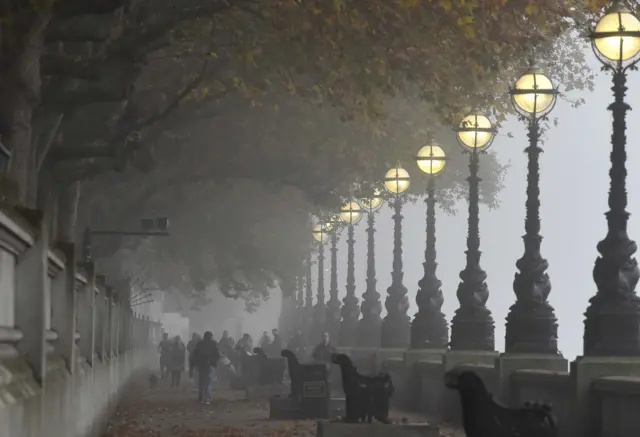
{"x": 204, "y": 355}
{"x": 203, "y": 360}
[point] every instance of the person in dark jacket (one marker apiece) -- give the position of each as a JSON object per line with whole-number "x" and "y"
{"x": 205, "y": 360}
{"x": 176, "y": 361}
{"x": 191, "y": 346}
{"x": 165, "y": 352}
{"x": 276, "y": 344}
{"x": 322, "y": 352}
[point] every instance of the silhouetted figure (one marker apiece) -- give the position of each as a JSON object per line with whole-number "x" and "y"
{"x": 176, "y": 360}
{"x": 297, "y": 344}
{"x": 164, "y": 348}
{"x": 191, "y": 346}
{"x": 276, "y": 344}
{"x": 245, "y": 344}
{"x": 225, "y": 345}
{"x": 323, "y": 351}
{"x": 265, "y": 341}
{"x": 205, "y": 360}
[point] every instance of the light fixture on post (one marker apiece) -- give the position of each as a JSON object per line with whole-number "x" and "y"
{"x": 351, "y": 213}
{"x": 395, "y": 329}
{"x": 429, "y": 328}
{"x": 531, "y": 323}
{"x": 472, "y": 326}
{"x": 368, "y": 334}
{"x": 612, "y": 322}
{"x": 320, "y": 234}
{"x": 332, "y": 320}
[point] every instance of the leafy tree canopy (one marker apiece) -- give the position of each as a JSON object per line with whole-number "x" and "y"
{"x": 161, "y": 92}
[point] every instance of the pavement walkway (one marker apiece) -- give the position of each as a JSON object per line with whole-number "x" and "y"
{"x": 175, "y": 412}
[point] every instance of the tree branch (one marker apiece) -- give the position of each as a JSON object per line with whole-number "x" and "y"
{"x": 43, "y": 149}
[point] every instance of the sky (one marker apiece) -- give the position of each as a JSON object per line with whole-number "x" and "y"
{"x": 574, "y": 185}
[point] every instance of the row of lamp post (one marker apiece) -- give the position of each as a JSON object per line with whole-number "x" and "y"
{"x": 613, "y": 317}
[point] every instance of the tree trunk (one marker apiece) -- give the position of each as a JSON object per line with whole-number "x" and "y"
{"x": 21, "y": 44}
{"x": 68, "y": 198}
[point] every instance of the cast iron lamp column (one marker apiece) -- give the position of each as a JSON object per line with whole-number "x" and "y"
{"x": 350, "y": 214}
{"x": 612, "y": 324}
{"x": 472, "y": 326}
{"x": 332, "y": 322}
{"x": 429, "y": 329}
{"x": 308, "y": 310}
{"x": 300, "y": 303}
{"x": 368, "y": 334}
{"x": 531, "y": 323}
{"x": 395, "y": 329}
{"x": 320, "y": 234}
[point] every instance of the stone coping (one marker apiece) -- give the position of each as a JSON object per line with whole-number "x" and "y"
{"x": 623, "y": 385}
{"x": 545, "y": 377}
{"x": 333, "y": 428}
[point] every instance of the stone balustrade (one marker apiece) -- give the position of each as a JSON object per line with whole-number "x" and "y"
{"x": 68, "y": 341}
{"x": 612, "y": 406}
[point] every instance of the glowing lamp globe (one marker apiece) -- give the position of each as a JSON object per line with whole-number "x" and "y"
{"x": 616, "y": 37}
{"x": 351, "y": 213}
{"x": 373, "y": 203}
{"x": 533, "y": 94}
{"x": 475, "y": 132}
{"x": 320, "y": 232}
{"x": 431, "y": 159}
{"x": 396, "y": 181}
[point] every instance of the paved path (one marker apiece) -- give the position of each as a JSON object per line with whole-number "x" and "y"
{"x": 175, "y": 412}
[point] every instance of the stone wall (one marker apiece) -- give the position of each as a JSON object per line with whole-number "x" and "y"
{"x": 612, "y": 402}
{"x": 68, "y": 341}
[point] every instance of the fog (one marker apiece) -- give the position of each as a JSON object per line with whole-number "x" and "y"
{"x": 574, "y": 186}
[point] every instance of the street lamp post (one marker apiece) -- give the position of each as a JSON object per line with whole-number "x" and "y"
{"x": 531, "y": 323}
{"x": 300, "y": 302}
{"x": 368, "y": 334}
{"x": 429, "y": 329}
{"x": 308, "y": 310}
{"x": 350, "y": 214}
{"x": 395, "y": 330}
{"x": 472, "y": 326}
{"x": 332, "y": 322}
{"x": 321, "y": 235}
{"x": 612, "y": 323}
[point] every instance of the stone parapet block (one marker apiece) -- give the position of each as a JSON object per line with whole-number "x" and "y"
{"x": 341, "y": 429}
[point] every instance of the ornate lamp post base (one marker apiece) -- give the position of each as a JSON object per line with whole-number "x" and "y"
{"x": 396, "y": 326}
{"x": 349, "y": 325}
{"x": 531, "y": 327}
{"x": 612, "y": 326}
{"x": 472, "y": 329}
{"x": 429, "y": 330}
{"x": 369, "y": 327}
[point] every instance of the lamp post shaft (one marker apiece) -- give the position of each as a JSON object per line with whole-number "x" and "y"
{"x": 429, "y": 328}
{"x": 531, "y": 323}
{"x": 308, "y": 310}
{"x": 332, "y": 322}
{"x": 395, "y": 330}
{"x": 613, "y": 315}
{"x": 320, "y": 315}
{"x": 300, "y": 302}
{"x": 472, "y": 326}
{"x": 350, "y": 310}
{"x": 369, "y": 326}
